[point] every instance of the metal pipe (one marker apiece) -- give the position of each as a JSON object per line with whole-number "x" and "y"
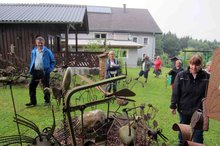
{"x": 12, "y": 97}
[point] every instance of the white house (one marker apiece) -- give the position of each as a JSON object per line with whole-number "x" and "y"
{"x": 132, "y": 30}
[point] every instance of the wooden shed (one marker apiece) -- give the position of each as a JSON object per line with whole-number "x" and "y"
{"x": 21, "y": 23}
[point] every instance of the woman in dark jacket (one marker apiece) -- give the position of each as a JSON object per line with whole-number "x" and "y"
{"x": 190, "y": 88}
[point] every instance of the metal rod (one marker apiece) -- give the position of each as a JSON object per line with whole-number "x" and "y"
{"x": 12, "y": 97}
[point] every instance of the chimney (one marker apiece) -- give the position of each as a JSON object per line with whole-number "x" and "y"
{"x": 124, "y": 5}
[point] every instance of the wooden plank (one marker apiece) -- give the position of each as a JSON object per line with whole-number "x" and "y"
{"x": 1, "y": 40}
{"x": 6, "y": 44}
{"x": 89, "y": 81}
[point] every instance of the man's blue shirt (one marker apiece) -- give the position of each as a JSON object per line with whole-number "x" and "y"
{"x": 39, "y": 60}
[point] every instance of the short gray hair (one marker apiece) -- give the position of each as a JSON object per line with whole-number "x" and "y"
{"x": 40, "y": 38}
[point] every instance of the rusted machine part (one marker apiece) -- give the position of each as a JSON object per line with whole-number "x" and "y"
{"x": 212, "y": 103}
{"x": 66, "y": 79}
{"x": 205, "y": 117}
{"x": 184, "y": 129}
{"x": 67, "y": 109}
{"x": 15, "y": 139}
{"x": 124, "y": 92}
{"x": 197, "y": 120}
{"x": 190, "y": 143}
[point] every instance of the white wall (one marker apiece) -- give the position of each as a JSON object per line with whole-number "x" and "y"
{"x": 133, "y": 54}
{"x": 132, "y": 58}
{"x": 148, "y": 49}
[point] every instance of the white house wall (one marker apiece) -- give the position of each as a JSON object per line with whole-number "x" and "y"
{"x": 133, "y": 54}
{"x": 121, "y": 36}
{"x": 131, "y": 58}
{"x": 148, "y": 49}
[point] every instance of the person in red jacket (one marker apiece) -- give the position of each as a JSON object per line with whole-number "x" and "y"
{"x": 157, "y": 66}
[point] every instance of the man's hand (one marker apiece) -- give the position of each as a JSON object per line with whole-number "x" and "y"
{"x": 173, "y": 111}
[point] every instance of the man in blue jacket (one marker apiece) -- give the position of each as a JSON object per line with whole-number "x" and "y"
{"x": 42, "y": 63}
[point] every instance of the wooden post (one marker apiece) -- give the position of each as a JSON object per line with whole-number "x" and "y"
{"x": 66, "y": 45}
{"x": 102, "y": 69}
{"x": 76, "y": 34}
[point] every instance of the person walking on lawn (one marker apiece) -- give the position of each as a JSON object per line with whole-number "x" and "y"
{"x": 145, "y": 68}
{"x": 42, "y": 63}
{"x": 157, "y": 66}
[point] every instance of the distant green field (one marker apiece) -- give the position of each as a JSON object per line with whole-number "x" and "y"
{"x": 156, "y": 92}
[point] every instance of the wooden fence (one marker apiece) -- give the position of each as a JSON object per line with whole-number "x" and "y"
{"x": 78, "y": 59}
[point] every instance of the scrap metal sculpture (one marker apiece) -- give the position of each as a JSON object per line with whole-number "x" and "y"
{"x": 107, "y": 132}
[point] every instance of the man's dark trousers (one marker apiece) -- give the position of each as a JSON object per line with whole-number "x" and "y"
{"x": 36, "y": 78}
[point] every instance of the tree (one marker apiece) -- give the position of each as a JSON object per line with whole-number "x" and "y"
{"x": 93, "y": 46}
{"x": 169, "y": 43}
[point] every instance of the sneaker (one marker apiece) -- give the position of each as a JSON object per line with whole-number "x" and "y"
{"x": 30, "y": 104}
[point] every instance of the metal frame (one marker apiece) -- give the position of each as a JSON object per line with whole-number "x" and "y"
{"x": 67, "y": 109}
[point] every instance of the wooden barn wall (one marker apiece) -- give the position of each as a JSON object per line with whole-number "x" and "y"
{"x": 22, "y": 36}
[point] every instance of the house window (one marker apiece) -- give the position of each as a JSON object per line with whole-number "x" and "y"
{"x": 100, "y": 35}
{"x": 135, "y": 39}
{"x": 145, "y": 41}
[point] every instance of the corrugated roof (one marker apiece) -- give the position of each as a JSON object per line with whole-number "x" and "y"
{"x": 130, "y": 20}
{"x": 41, "y": 13}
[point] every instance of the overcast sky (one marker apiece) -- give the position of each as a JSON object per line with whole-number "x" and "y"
{"x": 196, "y": 18}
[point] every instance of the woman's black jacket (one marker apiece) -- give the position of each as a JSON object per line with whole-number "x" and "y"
{"x": 188, "y": 92}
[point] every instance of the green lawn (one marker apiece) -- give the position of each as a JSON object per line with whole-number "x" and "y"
{"x": 155, "y": 92}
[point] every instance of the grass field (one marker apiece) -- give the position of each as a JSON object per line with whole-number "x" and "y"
{"x": 155, "y": 92}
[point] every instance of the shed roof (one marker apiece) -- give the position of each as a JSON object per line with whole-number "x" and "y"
{"x": 76, "y": 15}
{"x": 121, "y": 20}
{"x": 41, "y": 13}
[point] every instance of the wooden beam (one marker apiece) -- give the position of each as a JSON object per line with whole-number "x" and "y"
{"x": 76, "y": 34}
{"x": 66, "y": 44}
{"x": 99, "y": 88}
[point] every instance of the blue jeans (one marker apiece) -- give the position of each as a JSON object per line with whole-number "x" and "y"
{"x": 197, "y": 135}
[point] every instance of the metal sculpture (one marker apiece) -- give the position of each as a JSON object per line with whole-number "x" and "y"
{"x": 102, "y": 130}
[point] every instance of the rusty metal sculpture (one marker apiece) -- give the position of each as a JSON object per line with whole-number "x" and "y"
{"x": 212, "y": 102}
{"x": 106, "y": 132}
